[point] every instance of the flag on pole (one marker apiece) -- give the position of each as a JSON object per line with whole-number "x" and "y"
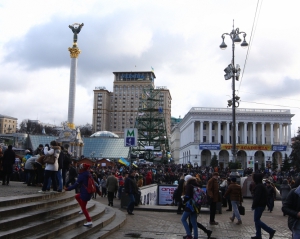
{"x": 124, "y": 161}
{"x": 152, "y": 68}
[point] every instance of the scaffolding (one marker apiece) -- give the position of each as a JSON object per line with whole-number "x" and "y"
{"x": 153, "y": 144}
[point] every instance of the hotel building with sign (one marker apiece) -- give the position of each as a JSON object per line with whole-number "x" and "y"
{"x": 261, "y": 135}
{"x": 117, "y": 110}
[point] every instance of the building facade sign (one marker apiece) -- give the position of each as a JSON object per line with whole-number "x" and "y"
{"x": 247, "y": 147}
{"x": 210, "y": 146}
{"x": 130, "y": 136}
{"x": 278, "y": 147}
{"x": 133, "y": 76}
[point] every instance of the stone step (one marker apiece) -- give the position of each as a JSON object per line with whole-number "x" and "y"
{"x": 74, "y": 228}
{"x": 43, "y": 223}
{"x": 116, "y": 224}
{"x": 82, "y": 232}
{"x": 26, "y": 207}
{"x": 9, "y": 201}
{"x": 9, "y": 222}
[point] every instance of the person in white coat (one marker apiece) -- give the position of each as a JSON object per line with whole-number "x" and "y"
{"x": 51, "y": 169}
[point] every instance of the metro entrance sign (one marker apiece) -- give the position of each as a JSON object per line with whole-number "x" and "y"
{"x": 130, "y": 137}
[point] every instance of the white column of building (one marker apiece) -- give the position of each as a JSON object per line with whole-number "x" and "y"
{"x": 237, "y": 132}
{"x": 272, "y": 132}
{"x": 192, "y": 131}
{"x": 289, "y": 134}
{"x": 286, "y": 133}
{"x": 227, "y": 132}
{"x": 254, "y": 132}
{"x": 280, "y": 133}
{"x": 245, "y": 132}
{"x": 219, "y": 132}
{"x": 209, "y": 132}
{"x": 201, "y": 131}
{"x": 263, "y": 133}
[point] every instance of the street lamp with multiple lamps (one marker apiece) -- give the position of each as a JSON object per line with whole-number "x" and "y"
{"x": 233, "y": 72}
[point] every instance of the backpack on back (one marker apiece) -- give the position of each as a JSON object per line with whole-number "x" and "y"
{"x": 91, "y": 188}
{"x": 199, "y": 196}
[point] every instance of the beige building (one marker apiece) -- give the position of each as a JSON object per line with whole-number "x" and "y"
{"x": 8, "y": 124}
{"x": 117, "y": 110}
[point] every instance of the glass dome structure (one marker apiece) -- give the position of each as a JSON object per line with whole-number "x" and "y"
{"x": 106, "y": 134}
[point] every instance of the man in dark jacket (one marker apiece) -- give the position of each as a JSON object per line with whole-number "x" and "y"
{"x": 179, "y": 194}
{"x": 8, "y": 161}
{"x": 258, "y": 205}
{"x": 291, "y": 207}
{"x": 131, "y": 189}
{"x": 213, "y": 196}
{"x": 271, "y": 196}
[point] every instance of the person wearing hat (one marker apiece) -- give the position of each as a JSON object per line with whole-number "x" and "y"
{"x": 213, "y": 196}
{"x": 131, "y": 189}
{"x": 84, "y": 196}
{"x": 271, "y": 196}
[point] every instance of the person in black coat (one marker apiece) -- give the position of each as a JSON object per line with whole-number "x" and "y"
{"x": 258, "y": 205}
{"x": 8, "y": 161}
{"x": 291, "y": 207}
{"x": 179, "y": 194}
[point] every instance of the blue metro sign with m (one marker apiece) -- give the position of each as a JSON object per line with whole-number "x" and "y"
{"x": 130, "y": 136}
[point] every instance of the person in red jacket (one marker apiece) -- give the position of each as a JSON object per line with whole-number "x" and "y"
{"x": 84, "y": 196}
{"x": 149, "y": 178}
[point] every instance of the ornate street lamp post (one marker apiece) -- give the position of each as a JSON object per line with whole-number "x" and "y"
{"x": 233, "y": 72}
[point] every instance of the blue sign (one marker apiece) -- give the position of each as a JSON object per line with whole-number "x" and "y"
{"x": 133, "y": 76}
{"x": 210, "y": 146}
{"x": 130, "y": 141}
{"x": 278, "y": 147}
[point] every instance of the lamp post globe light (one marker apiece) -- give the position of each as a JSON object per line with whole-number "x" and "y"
{"x": 233, "y": 72}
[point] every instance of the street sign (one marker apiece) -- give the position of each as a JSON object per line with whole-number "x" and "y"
{"x": 130, "y": 137}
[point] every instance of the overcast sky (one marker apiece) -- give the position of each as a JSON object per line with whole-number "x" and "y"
{"x": 179, "y": 39}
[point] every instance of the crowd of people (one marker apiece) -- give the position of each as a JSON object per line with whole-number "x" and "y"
{"x": 67, "y": 174}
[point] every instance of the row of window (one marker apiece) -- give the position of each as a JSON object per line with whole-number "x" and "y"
{"x": 239, "y": 127}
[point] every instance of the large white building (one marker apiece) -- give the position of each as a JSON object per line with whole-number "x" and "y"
{"x": 261, "y": 135}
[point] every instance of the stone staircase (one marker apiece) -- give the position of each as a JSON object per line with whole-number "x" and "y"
{"x": 55, "y": 215}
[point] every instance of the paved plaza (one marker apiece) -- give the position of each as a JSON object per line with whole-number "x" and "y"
{"x": 159, "y": 225}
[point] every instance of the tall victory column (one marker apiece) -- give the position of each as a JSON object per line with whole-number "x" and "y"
{"x": 70, "y": 137}
{"x": 74, "y": 53}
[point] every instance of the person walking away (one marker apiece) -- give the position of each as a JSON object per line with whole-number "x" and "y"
{"x": 291, "y": 207}
{"x": 285, "y": 188}
{"x": 213, "y": 194}
{"x": 31, "y": 170}
{"x": 121, "y": 186}
{"x": 234, "y": 191}
{"x": 271, "y": 196}
{"x": 51, "y": 169}
{"x": 8, "y": 161}
{"x": 251, "y": 188}
{"x": 189, "y": 211}
{"x": 72, "y": 175}
{"x": 103, "y": 186}
{"x": 179, "y": 194}
{"x": 60, "y": 168}
{"x": 66, "y": 163}
{"x": 149, "y": 177}
{"x": 258, "y": 206}
{"x": 83, "y": 197}
{"x": 131, "y": 189}
{"x": 112, "y": 187}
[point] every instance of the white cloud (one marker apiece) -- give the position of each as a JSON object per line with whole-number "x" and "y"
{"x": 180, "y": 39}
